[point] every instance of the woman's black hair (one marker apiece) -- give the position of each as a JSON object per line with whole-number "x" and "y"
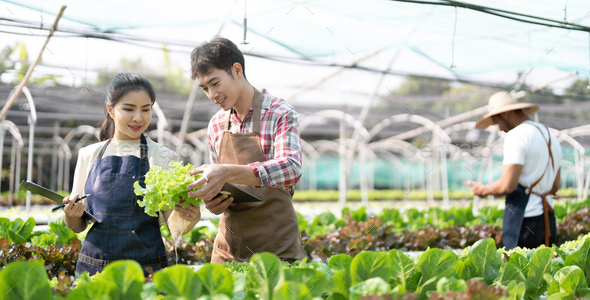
{"x": 121, "y": 84}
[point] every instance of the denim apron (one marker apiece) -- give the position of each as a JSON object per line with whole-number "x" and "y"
{"x": 513, "y": 216}
{"x": 247, "y": 228}
{"x": 125, "y": 231}
{"x": 516, "y": 203}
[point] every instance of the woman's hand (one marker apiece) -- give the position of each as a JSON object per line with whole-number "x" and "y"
{"x": 73, "y": 209}
{"x": 74, "y": 212}
{"x": 182, "y": 219}
{"x": 189, "y": 213}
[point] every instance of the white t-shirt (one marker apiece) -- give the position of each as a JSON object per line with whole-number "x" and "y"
{"x": 525, "y": 145}
{"x": 158, "y": 155}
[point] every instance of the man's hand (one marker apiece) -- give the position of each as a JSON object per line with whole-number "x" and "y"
{"x": 505, "y": 185}
{"x": 213, "y": 179}
{"x": 477, "y": 188}
{"x": 218, "y": 204}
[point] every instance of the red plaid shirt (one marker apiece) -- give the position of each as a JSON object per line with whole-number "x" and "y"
{"x": 279, "y": 137}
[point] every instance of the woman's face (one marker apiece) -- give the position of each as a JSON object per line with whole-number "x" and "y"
{"x": 132, "y": 115}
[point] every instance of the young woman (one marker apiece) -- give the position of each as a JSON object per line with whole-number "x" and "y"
{"x": 107, "y": 171}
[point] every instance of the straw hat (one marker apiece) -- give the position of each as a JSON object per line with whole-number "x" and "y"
{"x": 501, "y": 102}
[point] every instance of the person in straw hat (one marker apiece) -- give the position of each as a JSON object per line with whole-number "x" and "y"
{"x": 530, "y": 173}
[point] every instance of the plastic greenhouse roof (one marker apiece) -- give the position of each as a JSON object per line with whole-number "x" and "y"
{"x": 445, "y": 33}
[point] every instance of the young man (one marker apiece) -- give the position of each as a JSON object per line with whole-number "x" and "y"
{"x": 254, "y": 142}
{"x": 530, "y": 173}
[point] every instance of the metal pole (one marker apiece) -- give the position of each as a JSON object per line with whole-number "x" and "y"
{"x": 56, "y": 138}
{"x": 60, "y": 170}
{"x": 162, "y": 123}
{"x": 313, "y": 172}
{"x": 363, "y": 172}
{"x": 11, "y": 174}
{"x": 430, "y": 181}
{"x": 17, "y": 170}
{"x": 67, "y": 172}
{"x": 190, "y": 104}
{"x": 444, "y": 178}
{"x": 40, "y": 169}
{"x": 1, "y": 151}
{"x": 30, "y": 159}
{"x": 343, "y": 178}
{"x": 32, "y": 122}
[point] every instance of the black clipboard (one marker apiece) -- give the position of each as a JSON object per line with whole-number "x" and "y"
{"x": 239, "y": 195}
{"x": 52, "y": 195}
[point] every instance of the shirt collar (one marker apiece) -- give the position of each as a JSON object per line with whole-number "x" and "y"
{"x": 266, "y": 99}
{"x": 264, "y": 104}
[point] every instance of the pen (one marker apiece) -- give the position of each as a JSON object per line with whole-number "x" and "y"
{"x": 62, "y": 205}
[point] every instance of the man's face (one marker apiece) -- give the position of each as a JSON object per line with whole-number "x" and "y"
{"x": 220, "y": 87}
{"x": 501, "y": 121}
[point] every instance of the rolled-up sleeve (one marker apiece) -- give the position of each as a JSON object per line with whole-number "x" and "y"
{"x": 281, "y": 138}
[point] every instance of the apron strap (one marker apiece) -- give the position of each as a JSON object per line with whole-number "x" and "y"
{"x": 546, "y": 207}
{"x": 256, "y": 105}
{"x": 103, "y": 149}
{"x": 143, "y": 160}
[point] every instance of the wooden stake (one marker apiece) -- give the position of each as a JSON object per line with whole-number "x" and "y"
{"x": 14, "y": 95}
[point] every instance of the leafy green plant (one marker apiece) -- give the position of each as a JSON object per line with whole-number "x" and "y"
{"x": 25, "y": 280}
{"x": 57, "y": 258}
{"x": 370, "y": 264}
{"x": 216, "y": 280}
{"x": 164, "y": 188}
{"x": 434, "y": 264}
{"x": 266, "y": 273}
{"x": 567, "y": 283}
{"x": 17, "y": 231}
{"x": 178, "y": 281}
{"x": 473, "y": 289}
{"x": 58, "y": 233}
{"x": 575, "y": 224}
{"x": 484, "y": 261}
{"x": 341, "y": 278}
{"x": 414, "y": 194}
{"x": 122, "y": 279}
{"x": 434, "y": 274}
{"x": 315, "y": 280}
{"x": 405, "y": 276}
{"x": 189, "y": 254}
{"x": 372, "y": 286}
{"x": 516, "y": 290}
{"x": 198, "y": 233}
{"x": 581, "y": 257}
{"x": 445, "y": 285}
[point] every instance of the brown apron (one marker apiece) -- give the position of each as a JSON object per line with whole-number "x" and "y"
{"x": 248, "y": 228}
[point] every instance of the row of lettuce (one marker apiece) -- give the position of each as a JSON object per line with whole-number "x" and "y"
{"x": 323, "y": 236}
{"x": 19, "y": 198}
{"x": 411, "y": 229}
{"x": 409, "y": 194}
{"x": 480, "y": 272}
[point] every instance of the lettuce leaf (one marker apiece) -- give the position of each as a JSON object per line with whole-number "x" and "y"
{"x": 165, "y": 187}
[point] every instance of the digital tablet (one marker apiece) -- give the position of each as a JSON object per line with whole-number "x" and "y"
{"x": 239, "y": 195}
